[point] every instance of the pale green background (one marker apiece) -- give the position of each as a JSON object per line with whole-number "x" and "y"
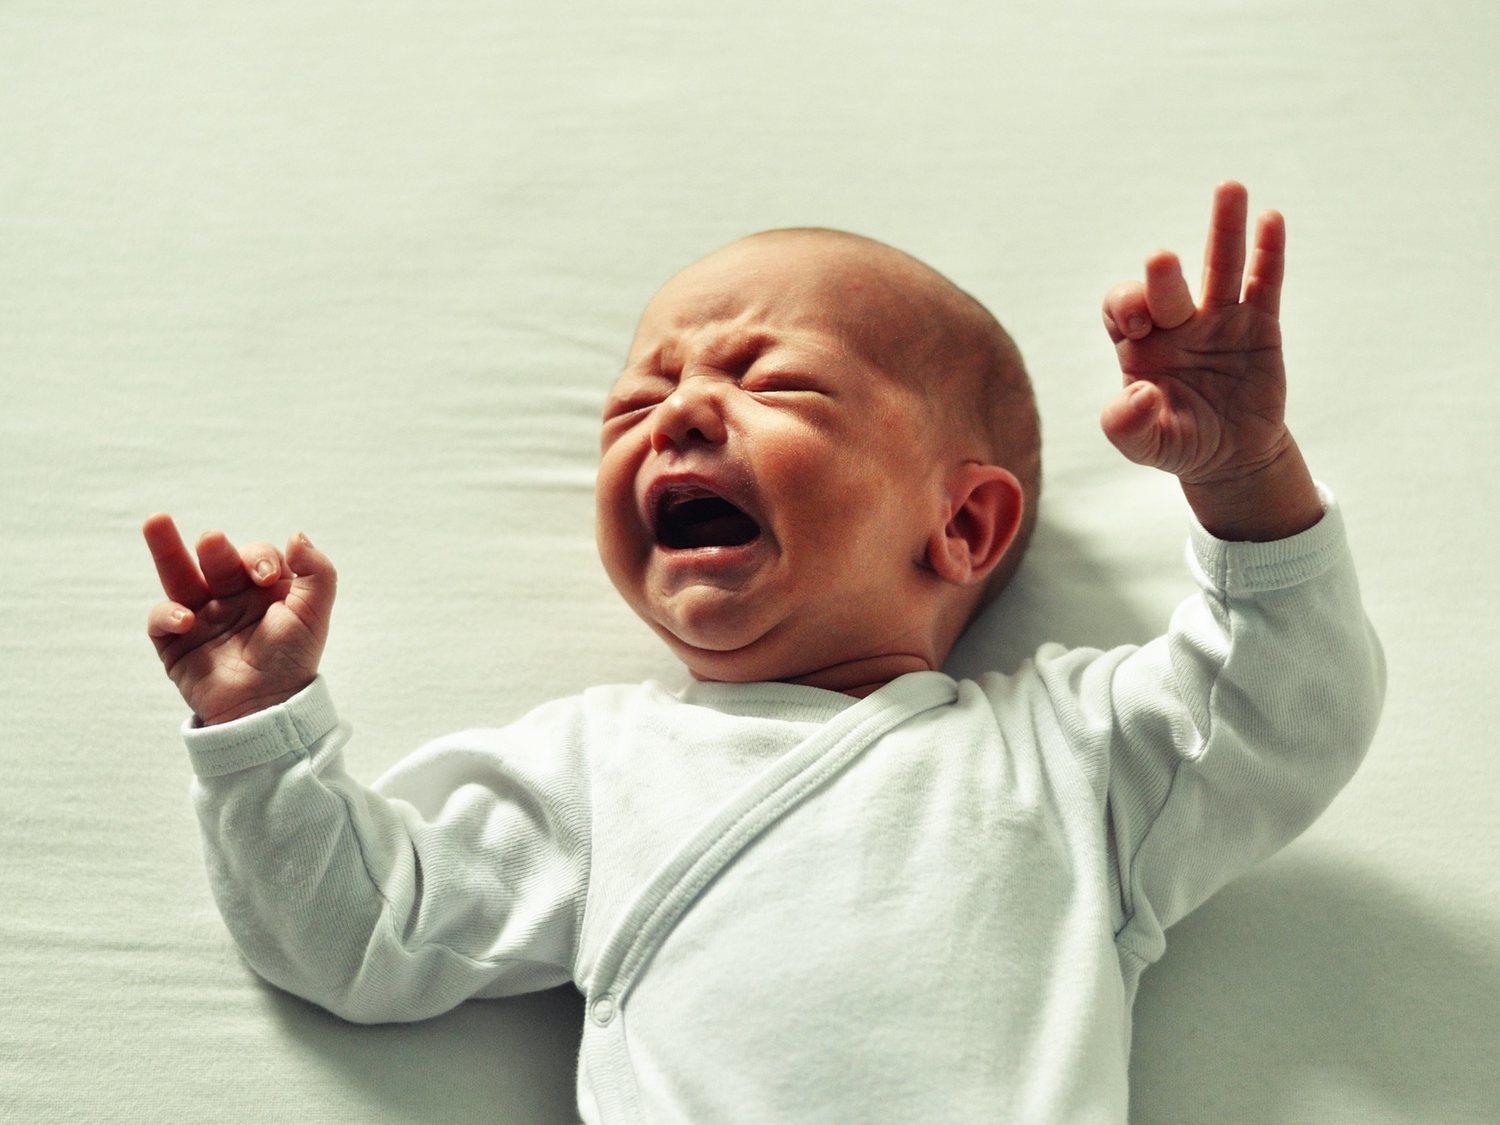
{"x": 365, "y": 269}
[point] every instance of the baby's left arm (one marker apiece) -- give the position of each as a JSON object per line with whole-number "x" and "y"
{"x": 1205, "y": 386}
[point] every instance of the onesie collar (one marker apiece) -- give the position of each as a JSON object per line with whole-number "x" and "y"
{"x": 794, "y": 702}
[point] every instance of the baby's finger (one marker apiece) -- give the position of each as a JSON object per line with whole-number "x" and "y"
{"x": 180, "y": 578}
{"x": 168, "y": 619}
{"x": 1167, "y": 294}
{"x": 264, "y": 564}
{"x": 1268, "y": 265}
{"x": 1129, "y": 421}
{"x": 316, "y": 581}
{"x": 1224, "y": 259}
{"x": 221, "y": 565}
{"x": 1126, "y": 316}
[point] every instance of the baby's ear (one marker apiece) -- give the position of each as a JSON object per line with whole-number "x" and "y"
{"x": 984, "y": 512}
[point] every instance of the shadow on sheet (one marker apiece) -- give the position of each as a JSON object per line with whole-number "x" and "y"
{"x": 1317, "y": 979}
{"x": 489, "y": 1060}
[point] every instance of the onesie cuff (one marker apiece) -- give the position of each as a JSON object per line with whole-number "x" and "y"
{"x": 287, "y": 728}
{"x": 1241, "y": 569}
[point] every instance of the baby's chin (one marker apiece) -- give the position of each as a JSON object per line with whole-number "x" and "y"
{"x": 731, "y": 649}
{"x": 779, "y": 656}
{"x": 722, "y": 654}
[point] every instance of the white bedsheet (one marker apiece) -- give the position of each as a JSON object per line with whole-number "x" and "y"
{"x": 365, "y": 270}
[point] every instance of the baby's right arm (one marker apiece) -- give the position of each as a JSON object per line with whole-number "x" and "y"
{"x": 240, "y": 631}
{"x": 462, "y": 874}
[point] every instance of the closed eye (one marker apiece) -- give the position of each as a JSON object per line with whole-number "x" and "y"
{"x": 777, "y": 383}
{"x": 623, "y": 408}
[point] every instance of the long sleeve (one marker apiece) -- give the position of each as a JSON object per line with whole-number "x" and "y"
{"x": 461, "y": 873}
{"x": 1217, "y": 744}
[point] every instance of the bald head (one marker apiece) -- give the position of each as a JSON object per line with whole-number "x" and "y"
{"x": 914, "y": 323}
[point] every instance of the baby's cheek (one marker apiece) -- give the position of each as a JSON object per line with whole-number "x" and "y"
{"x": 614, "y": 482}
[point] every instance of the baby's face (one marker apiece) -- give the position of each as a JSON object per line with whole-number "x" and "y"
{"x": 766, "y": 492}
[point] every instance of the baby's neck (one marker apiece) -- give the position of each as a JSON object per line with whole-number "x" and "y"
{"x": 861, "y": 677}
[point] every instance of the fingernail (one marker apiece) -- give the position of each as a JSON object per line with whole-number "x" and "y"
{"x": 264, "y": 569}
{"x": 179, "y": 616}
{"x": 1136, "y": 324}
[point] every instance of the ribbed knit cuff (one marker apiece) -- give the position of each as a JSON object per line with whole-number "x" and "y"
{"x": 288, "y": 728}
{"x": 1242, "y": 569}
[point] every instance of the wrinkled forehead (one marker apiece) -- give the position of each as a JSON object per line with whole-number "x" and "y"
{"x": 820, "y": 289}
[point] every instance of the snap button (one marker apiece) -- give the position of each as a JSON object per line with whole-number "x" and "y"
{"x": 602, "y": 1010}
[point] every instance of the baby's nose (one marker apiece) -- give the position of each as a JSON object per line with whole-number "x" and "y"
{"x": 691, "y": 414}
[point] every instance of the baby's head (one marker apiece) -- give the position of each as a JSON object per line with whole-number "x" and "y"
{"x": 821, "y": 459}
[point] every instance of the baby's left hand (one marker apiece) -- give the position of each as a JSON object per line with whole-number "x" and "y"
{"x": 1205, "y": 387}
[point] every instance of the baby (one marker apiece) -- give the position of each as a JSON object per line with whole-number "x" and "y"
{"x": 824, "y": 881}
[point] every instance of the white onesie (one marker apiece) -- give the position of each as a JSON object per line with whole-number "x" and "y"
{"x": 786, "y": 905}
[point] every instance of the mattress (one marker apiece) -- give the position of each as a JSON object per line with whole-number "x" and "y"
{"x": 366, "y": 270}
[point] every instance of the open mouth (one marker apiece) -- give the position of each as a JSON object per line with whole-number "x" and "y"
{"x": 689, "y": 517}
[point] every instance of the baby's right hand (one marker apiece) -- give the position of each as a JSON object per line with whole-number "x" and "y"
{"x": 241, "y": 630}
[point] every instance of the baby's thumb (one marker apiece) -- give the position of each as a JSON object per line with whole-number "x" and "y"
{"x": 1129, "y": 421}
{"x": 315, "y": 579}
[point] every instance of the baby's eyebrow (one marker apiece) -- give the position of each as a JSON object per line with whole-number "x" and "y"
{"x": 719, "y": 346}
{"x": 741, "y": 346}
{"x": 636, "y": 360}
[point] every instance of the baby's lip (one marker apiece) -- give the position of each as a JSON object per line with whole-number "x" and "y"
{"x": 669, "y": 491}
